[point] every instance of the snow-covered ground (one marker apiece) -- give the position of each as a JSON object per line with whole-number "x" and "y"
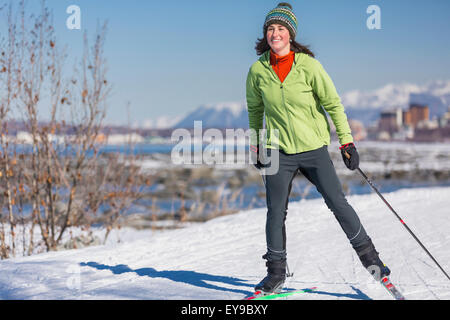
{"x": 221, "y": 259}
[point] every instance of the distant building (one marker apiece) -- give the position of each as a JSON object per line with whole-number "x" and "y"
{"x": 401, "y": 124}
{"x": 432, "y": 135}
{"x": 357, "y": 128}
{"x": 405, "y": 133}
{"x": 390, "y": 121}
{"x": 358, "y": 131}
{"x": 101, "y": 138}
{"x": 24, "y": 137}
{"x": 444, "y": 120}
{"x": 120, "y": 139}
{"x": 416, "y": 114}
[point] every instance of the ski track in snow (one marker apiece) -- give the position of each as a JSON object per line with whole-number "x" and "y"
{"x": 221, "y": 259}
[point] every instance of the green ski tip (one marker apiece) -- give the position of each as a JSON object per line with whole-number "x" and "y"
{"x": 280, "y": 295}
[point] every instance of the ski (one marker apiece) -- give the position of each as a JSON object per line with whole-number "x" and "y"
{"x": 260, "y": 295}
{"x": 395, "y": 293}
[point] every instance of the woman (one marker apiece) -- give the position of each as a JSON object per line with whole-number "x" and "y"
{"x": 291, "y": 88}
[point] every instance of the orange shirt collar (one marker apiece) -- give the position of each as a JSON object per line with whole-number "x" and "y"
{"x": 282, "y": 65}
{"x": 274, "y": 58}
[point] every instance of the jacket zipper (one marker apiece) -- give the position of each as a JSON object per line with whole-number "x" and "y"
{"x": 282, "y": 98}
{"x": 287, "y": 112}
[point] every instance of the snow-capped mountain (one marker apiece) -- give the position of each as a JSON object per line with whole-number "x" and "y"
{"x": 434, "y": 94}
{"x": 360, "y": 105}
{"x": 221, "y": 115}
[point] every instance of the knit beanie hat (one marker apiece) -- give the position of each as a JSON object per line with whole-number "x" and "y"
{"x": 283, "y": 15}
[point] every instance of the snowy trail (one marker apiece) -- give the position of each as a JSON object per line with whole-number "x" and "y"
{"x": 221, "y": 259}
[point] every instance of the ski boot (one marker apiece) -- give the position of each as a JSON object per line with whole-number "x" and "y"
{"x": 276, "y": 275}
{"x": 371, "y": 261}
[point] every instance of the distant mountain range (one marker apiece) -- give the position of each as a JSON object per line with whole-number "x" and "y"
{"x": 364, "y": 106}
{"x": 221, "y": 115}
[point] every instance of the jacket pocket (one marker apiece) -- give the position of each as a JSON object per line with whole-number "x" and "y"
{"x": 316, "y": 122}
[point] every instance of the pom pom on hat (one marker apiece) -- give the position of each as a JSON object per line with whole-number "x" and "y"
{"x": 284, "y": 4}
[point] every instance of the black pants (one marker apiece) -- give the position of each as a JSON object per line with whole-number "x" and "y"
{"x": 318, "y": 168}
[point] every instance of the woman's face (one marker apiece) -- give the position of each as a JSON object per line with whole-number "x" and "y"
{"x": 278, "y": 39}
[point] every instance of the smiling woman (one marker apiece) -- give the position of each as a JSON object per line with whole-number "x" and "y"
{"x": 286, "y": 24}
{"x": 278, "y": 39}
{"x": 289, "y": 89}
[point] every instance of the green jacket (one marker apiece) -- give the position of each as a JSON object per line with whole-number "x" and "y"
{"x": 294, "y": 107}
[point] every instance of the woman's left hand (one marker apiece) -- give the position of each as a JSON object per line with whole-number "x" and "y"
{"x": 350, "y": 155}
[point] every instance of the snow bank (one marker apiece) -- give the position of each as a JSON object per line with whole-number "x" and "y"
{"x": 221, "y": 259}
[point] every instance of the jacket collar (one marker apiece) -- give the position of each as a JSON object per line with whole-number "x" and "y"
{"x": 276, "y": 59}
{"x": 265, "y": 59}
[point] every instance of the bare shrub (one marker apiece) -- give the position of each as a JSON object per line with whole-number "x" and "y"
{"x": 59, "y": 175}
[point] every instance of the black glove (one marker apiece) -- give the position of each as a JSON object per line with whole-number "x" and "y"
{"x": 353, "y": 162}
{"x": 255, "y": 158}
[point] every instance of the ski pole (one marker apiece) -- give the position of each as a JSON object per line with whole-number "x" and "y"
{"x": 399, "y": 218}
{"x": 263, "y": 175}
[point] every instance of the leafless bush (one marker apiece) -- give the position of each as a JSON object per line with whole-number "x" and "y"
{"x": 61, "y": 176}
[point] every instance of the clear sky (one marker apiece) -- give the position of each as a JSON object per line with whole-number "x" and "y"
{"x": 169, "y": 57}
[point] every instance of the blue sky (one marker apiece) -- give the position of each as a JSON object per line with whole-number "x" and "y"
{"x": 167, "y": 58}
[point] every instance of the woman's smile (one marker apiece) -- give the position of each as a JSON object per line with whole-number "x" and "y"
{"x": 278, "y": 39}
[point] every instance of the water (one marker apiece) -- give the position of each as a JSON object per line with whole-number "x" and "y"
{"x": 250, "y": 195}
{"x": 138, "y": 149}
{"x": 253, "y": 195}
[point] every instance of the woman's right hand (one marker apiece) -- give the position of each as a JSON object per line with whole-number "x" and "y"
{"x": 350, "y": 155}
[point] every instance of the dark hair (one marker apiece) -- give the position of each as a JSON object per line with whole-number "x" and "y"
{"x": 262, "y": 46}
